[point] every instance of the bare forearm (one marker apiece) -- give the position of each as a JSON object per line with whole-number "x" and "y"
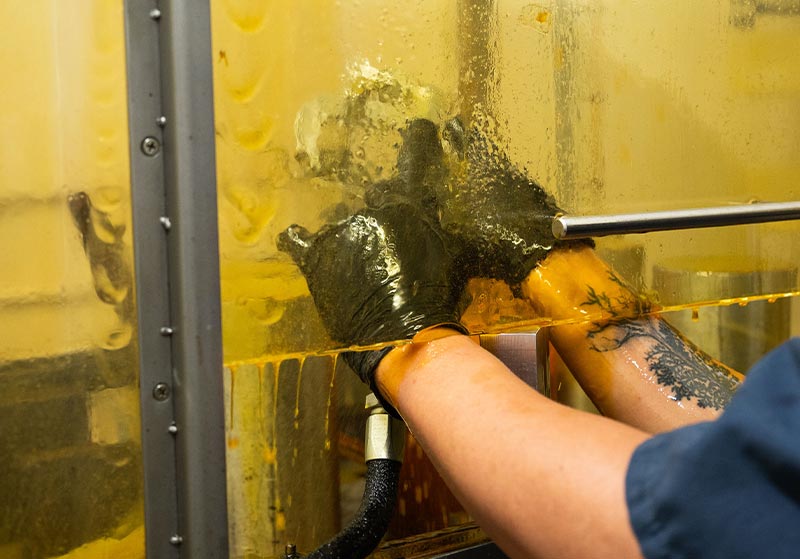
{"x": 540, "y": 478}
{"x": 635, "y": 367}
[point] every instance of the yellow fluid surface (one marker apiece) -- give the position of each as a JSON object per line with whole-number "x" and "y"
{"x": 611, "y": 109}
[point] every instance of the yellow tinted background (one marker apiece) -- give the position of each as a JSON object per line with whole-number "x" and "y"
{"x": 613, "y": 106}
{"x": 71, "y": 474}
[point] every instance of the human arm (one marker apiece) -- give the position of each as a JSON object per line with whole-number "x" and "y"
{"x": 540, "y": 478}
{"x": 633, "y": 365}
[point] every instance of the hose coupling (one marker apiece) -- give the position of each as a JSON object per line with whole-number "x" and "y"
{"x": 385, "y": 435}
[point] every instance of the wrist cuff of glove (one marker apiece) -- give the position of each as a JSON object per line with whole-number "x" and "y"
{"x": 364, "y": 364}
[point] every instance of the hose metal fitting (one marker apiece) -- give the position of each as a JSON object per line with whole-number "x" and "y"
{"x": 385, "y": 435}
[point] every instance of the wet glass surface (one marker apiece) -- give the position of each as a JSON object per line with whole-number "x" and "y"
{"x": 71, "y": 474}
{"x": 608, "y": 108}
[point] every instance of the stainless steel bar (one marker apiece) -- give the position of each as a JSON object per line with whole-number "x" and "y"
{"x": 575, "y": 227}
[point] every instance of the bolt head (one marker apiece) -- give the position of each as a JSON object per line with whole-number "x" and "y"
{"x": 161, "y": 391}
{"x": 150, "y": 146}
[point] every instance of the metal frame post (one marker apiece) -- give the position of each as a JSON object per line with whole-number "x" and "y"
{"x": 174, "y": 198}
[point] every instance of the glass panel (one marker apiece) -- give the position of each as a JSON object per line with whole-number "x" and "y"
{"x": 71, "y": 472}
{"x": 612, "y": 107}
{"x": 678, "y": 106}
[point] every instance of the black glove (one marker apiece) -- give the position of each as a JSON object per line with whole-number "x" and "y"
{"x": 381, "y": 275}
{"x": 499, "y": 219}
{"x": 421, "y": 171}
{"x": 502, "y": 217}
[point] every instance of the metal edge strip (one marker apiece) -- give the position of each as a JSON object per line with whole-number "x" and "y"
{"x": 190, "y": 180}
{"x": 148, "y": 202}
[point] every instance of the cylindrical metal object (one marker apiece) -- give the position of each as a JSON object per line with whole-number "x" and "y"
{"x": 576, "y": 227}
{"x": 385, "y": 435}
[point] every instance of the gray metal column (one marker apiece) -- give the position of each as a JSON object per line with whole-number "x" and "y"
{"x": 173, "y": 177}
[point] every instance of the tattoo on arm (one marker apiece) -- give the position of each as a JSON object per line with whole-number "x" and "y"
{"x": 674, "y": 360}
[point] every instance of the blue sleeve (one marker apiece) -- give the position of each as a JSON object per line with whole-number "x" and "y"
{"x": 728, "y": 488}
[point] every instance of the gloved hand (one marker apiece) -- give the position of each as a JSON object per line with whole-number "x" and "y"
{"x": 499, "y": 219}
{"x": 381, "y": 275}
{"x": 421, "y": 171}
{"x": 502, "y": 217}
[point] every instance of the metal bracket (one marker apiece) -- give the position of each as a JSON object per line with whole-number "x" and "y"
{"x": 525, "y": 353}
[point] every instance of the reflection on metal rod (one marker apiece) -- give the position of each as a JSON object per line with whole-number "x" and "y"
{"x": 569, "y": 227}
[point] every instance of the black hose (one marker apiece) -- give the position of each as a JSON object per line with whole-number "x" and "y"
{"x": 366, "y": 530}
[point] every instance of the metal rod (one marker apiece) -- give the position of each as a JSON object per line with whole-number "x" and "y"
{"x": 575, "y": 227}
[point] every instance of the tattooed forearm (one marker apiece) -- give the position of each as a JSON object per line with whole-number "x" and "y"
{"x": 625, "y": 304}
{"x": 675, "y": 361}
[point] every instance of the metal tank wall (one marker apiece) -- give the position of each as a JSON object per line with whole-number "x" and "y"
{"x": 71, "y": 473}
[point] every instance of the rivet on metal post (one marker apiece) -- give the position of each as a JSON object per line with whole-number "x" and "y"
{"x": 161, "y": 121}
{"x": 167, "y": 331}
{"x": 172, "y": 429}
{"x": 175, "y": 539}
{"x": 155, "y": 14}
{"x": 150, "y": 146}
{"x": 161, "y": 391}
{"x": 166, "y": 223}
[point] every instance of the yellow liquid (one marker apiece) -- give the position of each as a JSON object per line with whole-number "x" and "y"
{"x": 612, "y": 109}
{"x": 71, "y": 475}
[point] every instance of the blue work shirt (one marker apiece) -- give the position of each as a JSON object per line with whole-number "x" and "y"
{"x": 727, "y": 488}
